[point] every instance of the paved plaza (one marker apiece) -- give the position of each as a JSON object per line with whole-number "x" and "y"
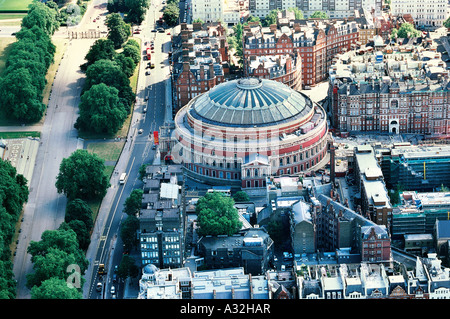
{"x": 21, "y": 153}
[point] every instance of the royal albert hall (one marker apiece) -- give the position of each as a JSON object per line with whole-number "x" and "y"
{"x": 244, "y": 130}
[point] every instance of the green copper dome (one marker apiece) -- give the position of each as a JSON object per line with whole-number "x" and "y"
{"x": 250, "y": 102}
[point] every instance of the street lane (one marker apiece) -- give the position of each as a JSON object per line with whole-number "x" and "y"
{"x": 106, "y": 246}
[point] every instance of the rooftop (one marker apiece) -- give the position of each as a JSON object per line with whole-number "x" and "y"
{"x": 250, "y": 102}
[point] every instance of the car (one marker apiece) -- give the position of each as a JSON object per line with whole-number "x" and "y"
{"x": 147, "y": 73}
{"x": 116, "y": 269}
{"x": 160, "y": 30}
{"x": 141, "y": 131}
{"x": 113, "y": 290}
{"x": 168, "y": 33}
{"x": 136, "y": 32}
{"x": 154, "y": 147}
{"x": 99, "y": 287}
{"x": 283, "y": 267}
{"x": 152, "y": 66}
{"x": 115, "y": 278}
{"x": 275, "y": 259}
{"x": 144, "y": 110}
{"x": 154, "y": 30}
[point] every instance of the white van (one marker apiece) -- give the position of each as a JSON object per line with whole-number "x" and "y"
{"x": 122, "y": 178}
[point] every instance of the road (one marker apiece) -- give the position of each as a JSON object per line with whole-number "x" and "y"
{"x": 45, "y": 207}
{"x": 106, "y": 246}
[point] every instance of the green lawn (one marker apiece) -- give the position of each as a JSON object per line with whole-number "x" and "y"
{"x": 109, "y": 151}
{"x": 13, "y": 135}
{"x": 14, "y": 5}
{"x": 9, "y": 16}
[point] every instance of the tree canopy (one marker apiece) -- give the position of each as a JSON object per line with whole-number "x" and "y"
{"x": 53, "y": 256}
{"x": 102, "y": 49}
{"x": 133, "y": 203}
{"x": 241, "y": 197}
{"x": 78, "y": 209}
{"x": 13, "y": 194}
{"x": 319, "y": 15}
{"x": 101, "y": 110}
{"x": 216, "y": 215}
{"x": 26, "y": 65}
{"x": 407, "y": 30}
{"x": 118, "y": 29}
{"x": 55, "y": 288}
{"x": 298, "y": 13}
{"x": 81, "y": 175}
{"x": 447, "y": 23}
{"x": 171, "y": 14}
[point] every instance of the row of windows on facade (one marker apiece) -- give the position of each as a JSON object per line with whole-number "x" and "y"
{"x": 154, "y": 239}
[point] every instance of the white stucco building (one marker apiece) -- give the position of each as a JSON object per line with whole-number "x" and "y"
{"x": 427, "y": 13}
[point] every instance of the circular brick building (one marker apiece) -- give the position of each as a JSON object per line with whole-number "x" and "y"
{"x": 243, "y": 130}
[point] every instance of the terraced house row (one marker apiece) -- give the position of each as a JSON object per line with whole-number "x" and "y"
{"x": 316, "y": 42}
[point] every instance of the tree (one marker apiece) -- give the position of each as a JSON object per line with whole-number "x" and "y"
{"x": 447, "y": 23}
{"x": 171, "y": 14}
{"x": 134, "y": 202}
{"x": 32, "y": 38}
{"x": 241, "y": 197}
{"x": 136, "y": 10}
{"x": 130, "y": 50}
{"x": 271, "y": 18}
{"x": 319, "y": 15}
{"x": 81, "y": 175}
{"x": 128, "y": 231}
{"x": 101, "y": 110}
{"x": 216, "y": 215}
{"x": 54, "y": 256}
{"x": 80, "y": 229}
{"x": 118, "y": 30}
{"x": 55, "y": 288}
{"x": 13, "y": 194}
{"x": 126, "y": 64}
{"x": 110, "y": 73}
{"x": 42, "y": 16}
{"x": 407, "y": 30}
{"x": 127, "y": 268}
{"x": 253, "y": 19}
{"x": 78, "y": 209}
{"x": 198, "y": 20}
{"x": 394, "y": 33}
{"x": 53, "y": 264}
{"x": 20, "y": 98}
{"x": 102, "y": 49}
{"x": 298, "y": 13}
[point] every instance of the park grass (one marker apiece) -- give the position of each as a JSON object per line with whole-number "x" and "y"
{"x": 108, "y": 151}
{"x": 14, "y": 5}
{"x": 14, "y": 135}
{"x": 11, "y": 19}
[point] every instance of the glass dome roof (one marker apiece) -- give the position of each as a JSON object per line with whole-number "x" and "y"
{"x": 250, "y": 102}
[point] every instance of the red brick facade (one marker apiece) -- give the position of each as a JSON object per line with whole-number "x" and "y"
{"x": 316, "y": 43}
